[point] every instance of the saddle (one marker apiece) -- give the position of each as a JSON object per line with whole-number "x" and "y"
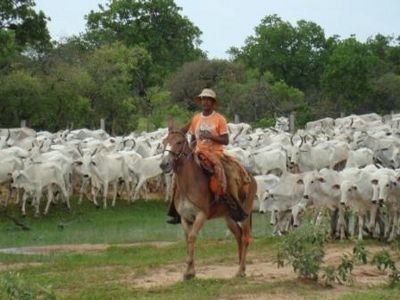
{"x": 237, "y": 180}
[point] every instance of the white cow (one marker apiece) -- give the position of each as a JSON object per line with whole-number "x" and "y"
{"x": 37, "y": 178}
{"x": 283, "y": 196}
{"x": 104, "y": 169}
{"x": 264, "y": 184}
{"x": 265, "y": 161}
{"x": 357, "y": 193}
{"x": 387, "y": 191}
{"x": 143, "y": 169}
{"x": 322, "y": 190}
{"x": 360, "y": 158}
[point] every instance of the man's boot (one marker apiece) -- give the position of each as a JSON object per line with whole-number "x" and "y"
{"x": 175, "y": 217}
{"x": 174, "y": 220}
{"x": 235, "y": 209}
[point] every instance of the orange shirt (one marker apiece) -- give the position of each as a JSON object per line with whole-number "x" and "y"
{"x": 215, "y": 123}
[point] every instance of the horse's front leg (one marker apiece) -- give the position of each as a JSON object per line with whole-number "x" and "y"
{"x": 191, "y": 231}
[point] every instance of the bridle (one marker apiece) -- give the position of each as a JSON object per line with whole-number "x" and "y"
{"x": 182, "y": 153}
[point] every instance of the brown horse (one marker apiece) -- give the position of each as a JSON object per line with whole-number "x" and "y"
{"x": 192, "y": 199}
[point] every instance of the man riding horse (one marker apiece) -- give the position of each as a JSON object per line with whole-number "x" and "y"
{"x": 209, "y": 132}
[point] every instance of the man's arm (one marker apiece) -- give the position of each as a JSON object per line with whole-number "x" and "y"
{"x": 219, "y": 139}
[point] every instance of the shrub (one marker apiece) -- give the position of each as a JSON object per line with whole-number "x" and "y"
{"x": 344, "y": 269}
{"x": 12, "y": 286}
{"x": 304, "y": 250}
{"x": 360, "y": 254}
{"x": 341, "y": 274}
{"x": 382, "y": 260}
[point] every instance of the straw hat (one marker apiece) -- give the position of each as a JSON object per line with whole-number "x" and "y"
{"x": 206, "y": 93}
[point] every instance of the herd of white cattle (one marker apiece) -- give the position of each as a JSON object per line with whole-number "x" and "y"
{"x": 332, "y": 165}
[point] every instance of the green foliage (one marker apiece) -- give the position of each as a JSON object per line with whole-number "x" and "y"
{"x": 382, "y": 260}
{"x": 114, "y": 70}
{"x": 158, "y": 26}
{"x": 293, "y": 54}
{"x": 303, "y": 248}
{"x": 360, "y": 253}
{"x": 139, "y": 63}
{"x": 341, "y": 273}
{"x": 346, "y": 75}
{"x": 329, "y": 275}
{"x": 264, "y": 122}
{"x": 12, "y": 286}
{"x": 344, "y": 269}
{"x": 22, "y": 26}
{"x": 20, "y": 94}
{"x": 192, "y": 77}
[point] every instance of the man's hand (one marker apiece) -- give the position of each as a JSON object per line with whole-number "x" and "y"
{"x": 205, "y": 134}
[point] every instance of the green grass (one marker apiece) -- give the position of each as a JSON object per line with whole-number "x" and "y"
{"x": 126, "y": 223}
{"x": 109, "y": 274}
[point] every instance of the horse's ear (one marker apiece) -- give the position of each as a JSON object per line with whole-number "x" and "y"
{"x": 186, "y": 128}
{"x": 170, "y": 124}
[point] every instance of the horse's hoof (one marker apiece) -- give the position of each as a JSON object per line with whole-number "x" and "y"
{"x": 240, "y": 275}
{"x": 188, "y": 276}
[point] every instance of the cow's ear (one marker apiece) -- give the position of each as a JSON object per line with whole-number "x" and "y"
{"x": 374, "y": 181}
{"x": 336, "y": 186}
{"x": 300, "y": 181}
{"x": 321, "y": 179}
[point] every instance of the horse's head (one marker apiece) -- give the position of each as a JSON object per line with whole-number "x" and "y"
{"x": 176, "y": 146}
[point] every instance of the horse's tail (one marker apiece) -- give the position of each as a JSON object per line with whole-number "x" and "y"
{"x": 248, "y": 223}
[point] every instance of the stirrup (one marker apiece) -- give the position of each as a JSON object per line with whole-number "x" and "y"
{"x": 174, "y": 220}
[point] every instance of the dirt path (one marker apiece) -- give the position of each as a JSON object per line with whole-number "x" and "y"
{"x": 77, "y": 248}
{"x": 264, "y": 270}
{"x": 259, "y": 269}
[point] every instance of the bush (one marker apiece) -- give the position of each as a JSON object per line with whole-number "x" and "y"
{"x": 341, "y": 274}
{"x": 383, "y": 260}
{"x": 12, "y": 286}
{"x": 304, "y": 250}
{"x": 360, "y": 254}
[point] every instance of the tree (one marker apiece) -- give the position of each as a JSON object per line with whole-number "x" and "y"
{"x": 66, "y": 98}
{"x": 192, "y": 77}
{"x": 293, "y": 54}
{"x": 117, "y": 72}
{"x": 20, "y": 94}
{"x": 20, "y": 22}
{"x": 347, "y": 75}
{"x": 155, "y": 25}
{"x": 386, "y": 91}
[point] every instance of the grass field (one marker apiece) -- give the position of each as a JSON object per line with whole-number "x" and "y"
{"x": 146, "y": 258}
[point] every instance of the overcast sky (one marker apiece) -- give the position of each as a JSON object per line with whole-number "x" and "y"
{"x": 227, "y": 23}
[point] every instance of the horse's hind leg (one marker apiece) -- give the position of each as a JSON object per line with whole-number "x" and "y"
{"x": 191, "y": 231}
{"x": 237, "y": 232}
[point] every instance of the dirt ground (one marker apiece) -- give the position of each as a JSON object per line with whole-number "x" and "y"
{"x": 262, "y": 269}
{"x": 259, "y": 269}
